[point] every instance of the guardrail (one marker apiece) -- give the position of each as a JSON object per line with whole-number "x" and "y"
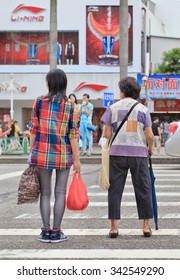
{"x": 15, "y": 145}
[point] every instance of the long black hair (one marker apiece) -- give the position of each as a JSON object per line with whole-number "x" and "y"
{"x": 57, "y": 83}
{"x": 72, "y": 94}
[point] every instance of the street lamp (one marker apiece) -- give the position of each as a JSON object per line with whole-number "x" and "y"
{"x": 12, "y": 87}
{"x": 145, "y": 79}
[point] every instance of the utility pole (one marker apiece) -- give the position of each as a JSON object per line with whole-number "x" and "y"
{"x": 53, "y": 34}
{"x": 123, "y": 44}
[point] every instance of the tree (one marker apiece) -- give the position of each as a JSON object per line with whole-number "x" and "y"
{"x": 53, "y": 34}
{"x": 170, "y": 62}
{"x": 123, "y": 42}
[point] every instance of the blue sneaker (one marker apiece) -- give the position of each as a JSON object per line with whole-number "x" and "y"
{"x": 45, "y": 235}
{"x": 58, "y": 236}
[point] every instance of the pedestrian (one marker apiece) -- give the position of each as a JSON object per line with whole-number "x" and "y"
{"x": 166, "y": 131}
{"x": 17, "y": 129}
{"x": 86, "y": 118}
{"x": 73, "y": 99}
{"x": 53, "y": 146}
{"x": 11, "y": 135}
{"x": 129, "y": 151}
{"x": 157, "y": 134}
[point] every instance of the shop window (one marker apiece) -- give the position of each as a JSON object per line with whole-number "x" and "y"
{"x": 7, "y": 47}
{"x": 17, "y": 47}
{"x": 33, "y": 48}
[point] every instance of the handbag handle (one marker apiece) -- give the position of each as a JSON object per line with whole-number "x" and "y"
{"x": 123, "y": 121}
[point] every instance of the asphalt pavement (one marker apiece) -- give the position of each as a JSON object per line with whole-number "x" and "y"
{"x": 88, "y": 230}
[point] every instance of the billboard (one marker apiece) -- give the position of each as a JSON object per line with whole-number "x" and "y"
{"x": 102, "y": 35}
{"x": 161, "y": 86}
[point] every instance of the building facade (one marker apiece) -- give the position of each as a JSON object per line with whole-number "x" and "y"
{"x": 87, "y": 50}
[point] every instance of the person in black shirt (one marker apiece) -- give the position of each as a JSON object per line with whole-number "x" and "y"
{"x": 157, "y": 134}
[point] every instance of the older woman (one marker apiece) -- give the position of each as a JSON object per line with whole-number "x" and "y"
{"x": 130, "y": 150}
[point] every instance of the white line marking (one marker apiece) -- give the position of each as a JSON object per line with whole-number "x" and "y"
{"x": 131, "y": 187}
{"x": 157, "y": 174}
{"x": 105, "y": 204}
{"x": 132, "y": 194}
{"x": 88, "y": 232}
{"x": 10, "y": 175}
{"x": 89, "y": 254}
{"x": 69, "y": 215}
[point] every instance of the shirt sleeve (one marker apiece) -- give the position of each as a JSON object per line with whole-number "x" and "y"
{"x": 90, "y": 106}
{"x": 148, "y": 121}
{"x": 34, "y": 123}
{"x": 107, "y": 117}
{"x": 73, "y": 131}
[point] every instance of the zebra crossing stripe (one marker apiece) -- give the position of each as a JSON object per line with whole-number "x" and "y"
{"x": 90, "y": 254}
{"x": 88, "y": 232}
{"x": 85, "y": 215}
{"x": 132, "y": 204}
{"x": 10, "y": 175}
{"x": 157, "y": 186}
{"x": 132, "y": 194}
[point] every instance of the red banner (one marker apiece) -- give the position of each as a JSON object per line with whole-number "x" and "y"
{"x": 167, "y": 105}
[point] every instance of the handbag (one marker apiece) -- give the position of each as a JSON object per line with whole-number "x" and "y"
{"x": 104, "y": 170}
{"x": 91, "y": 127}
{"x": 77, "y": 198}
{"x": 29, "y": 186}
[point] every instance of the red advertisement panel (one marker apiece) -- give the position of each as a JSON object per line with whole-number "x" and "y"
{"x": 102, "y": 35}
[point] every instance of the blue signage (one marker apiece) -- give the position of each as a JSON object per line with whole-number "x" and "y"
{"x": 160, "y": 86}
{"x": 108, "y": 99}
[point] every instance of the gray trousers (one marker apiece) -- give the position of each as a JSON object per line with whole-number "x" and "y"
{"x": 59, "y": 195}
{"x": 141, "y": 181}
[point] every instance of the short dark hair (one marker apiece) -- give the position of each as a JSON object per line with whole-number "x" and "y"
{"x": 87, "y": 95}
{"x": 130, "y": 87}
{"x": 57, "y": 84}
{"x": 72, "y": 94}
{"x": 156, "y": 118}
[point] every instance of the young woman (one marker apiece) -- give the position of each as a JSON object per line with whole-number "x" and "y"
{"x": 53, "y": 145}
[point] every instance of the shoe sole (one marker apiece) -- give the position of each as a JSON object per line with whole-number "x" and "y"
{"x": 58, "y": 240}
{"x": 44, "y": 240}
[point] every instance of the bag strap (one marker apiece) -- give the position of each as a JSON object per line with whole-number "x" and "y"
{"x": 123, "y": 121}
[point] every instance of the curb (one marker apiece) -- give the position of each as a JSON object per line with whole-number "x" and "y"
{"x": 94, "y": 159}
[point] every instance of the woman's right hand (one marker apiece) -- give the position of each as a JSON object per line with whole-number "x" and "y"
{"x": 151, "y": 151}
{"x": 77, "y": 166}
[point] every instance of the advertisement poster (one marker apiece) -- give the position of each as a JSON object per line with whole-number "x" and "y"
{"x": 161, "y": 86}
{"x": 102, "y": 35}
{"x": 33, "y": 48}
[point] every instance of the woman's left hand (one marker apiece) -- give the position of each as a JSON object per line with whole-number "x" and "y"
{"x": 77, "y": 166}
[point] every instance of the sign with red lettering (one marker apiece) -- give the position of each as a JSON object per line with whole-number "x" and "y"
{"x": 160, "y": 86}
{"x": 170, "y": 105}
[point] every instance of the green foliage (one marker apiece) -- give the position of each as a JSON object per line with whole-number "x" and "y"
{"x": 170, "y": 62}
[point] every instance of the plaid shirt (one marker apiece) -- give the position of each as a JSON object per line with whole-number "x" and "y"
{"x": 53, "y": 123}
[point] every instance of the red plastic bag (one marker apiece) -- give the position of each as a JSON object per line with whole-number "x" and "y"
{"x": 77, "y": 198}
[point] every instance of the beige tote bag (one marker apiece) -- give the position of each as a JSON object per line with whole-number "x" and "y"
{"x": 104, "y": 171}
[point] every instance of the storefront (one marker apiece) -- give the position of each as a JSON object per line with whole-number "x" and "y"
{"x": 87, "y": 50}
{"x": 161, "y": 93}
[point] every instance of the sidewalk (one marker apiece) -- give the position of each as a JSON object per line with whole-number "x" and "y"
{"x": 95, "y": 158}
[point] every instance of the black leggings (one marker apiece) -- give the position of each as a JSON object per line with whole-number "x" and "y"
{"x": 59, "y": 195}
